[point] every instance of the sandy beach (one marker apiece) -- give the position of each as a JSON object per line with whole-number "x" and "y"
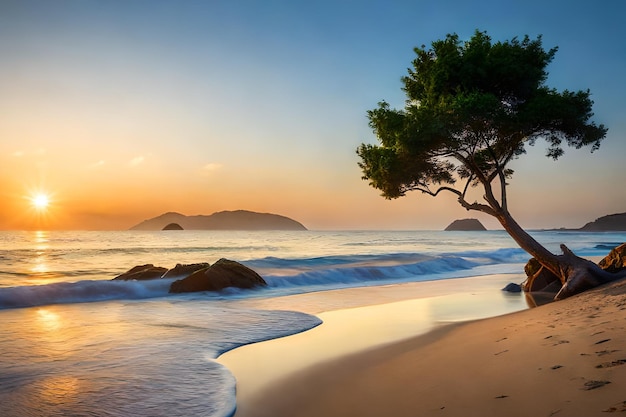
{"x": 566, "y": 358}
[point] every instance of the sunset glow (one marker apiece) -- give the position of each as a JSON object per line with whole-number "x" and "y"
{"x": 120, "y": 112}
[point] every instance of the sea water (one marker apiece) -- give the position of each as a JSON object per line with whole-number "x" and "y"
{"x": 75, "y": 343}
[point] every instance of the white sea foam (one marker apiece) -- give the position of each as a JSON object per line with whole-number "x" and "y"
{"x": 81, "y": 292}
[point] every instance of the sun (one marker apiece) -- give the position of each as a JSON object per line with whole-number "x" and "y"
{"x": 41, "y": 207}
{"x": 40, "y": 201}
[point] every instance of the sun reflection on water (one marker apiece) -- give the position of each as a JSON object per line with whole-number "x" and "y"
{"x": 57, "y": 390}
{"x": 41, "y": 237}
{"x": 48, "y": 320}
{"x": 40, "y": 264}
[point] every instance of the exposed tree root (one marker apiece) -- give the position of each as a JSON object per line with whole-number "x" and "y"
{"x": 575, "y": 274}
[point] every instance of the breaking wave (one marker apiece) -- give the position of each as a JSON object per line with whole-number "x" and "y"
{"x": 289, "y": 275}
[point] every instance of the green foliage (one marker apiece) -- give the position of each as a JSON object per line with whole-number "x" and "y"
{"x": 471, "y": 108}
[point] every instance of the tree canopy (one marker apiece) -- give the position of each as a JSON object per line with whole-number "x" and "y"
{"x": 471, "y": 108}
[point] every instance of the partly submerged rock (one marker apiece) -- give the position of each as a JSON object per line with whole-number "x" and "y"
{"x": 142, "y": 273}
{"x": 222, "y": 274}
{"x": 512, "y": 287}
{"x": 465, "y": 225}
{"x": 184, "y": 270}
{"x": 539, "y": 278}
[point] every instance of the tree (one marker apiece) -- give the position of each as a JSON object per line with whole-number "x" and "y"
{"x": 471, "y": 108}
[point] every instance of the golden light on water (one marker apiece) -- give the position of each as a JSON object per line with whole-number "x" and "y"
{"x": 58, "y": 390}
{"x": 41, "y": 237}
{"x": 48, "y": 320}
{"x": 40, "y": 265}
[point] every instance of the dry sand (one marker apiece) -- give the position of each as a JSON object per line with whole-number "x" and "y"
{"x": 563, "y": 359}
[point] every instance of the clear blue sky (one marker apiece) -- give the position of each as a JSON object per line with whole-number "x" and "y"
{"x": 122, "y": 110}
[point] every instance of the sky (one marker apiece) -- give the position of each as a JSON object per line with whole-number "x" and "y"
{"x": 122, "y": 110}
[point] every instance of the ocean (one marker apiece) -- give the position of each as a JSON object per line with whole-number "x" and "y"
{"x": 75, "y": 343}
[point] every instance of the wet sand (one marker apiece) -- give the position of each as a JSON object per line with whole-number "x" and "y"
{"x": 566, "y": 358}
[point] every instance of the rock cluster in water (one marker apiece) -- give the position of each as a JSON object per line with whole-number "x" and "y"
{"x": 141, "y": 273}
{"x": 198, "y": 277}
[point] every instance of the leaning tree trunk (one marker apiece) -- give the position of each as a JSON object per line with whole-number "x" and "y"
{"x": 576, "y": 274}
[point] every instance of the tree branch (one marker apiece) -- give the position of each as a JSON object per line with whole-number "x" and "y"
{"x": 500, "y": 173}
{"x": 467, "y": 184}
{"x": 494, "y": 206}
{"x": 478, "y": 207}
{"x": 440, "y": 189}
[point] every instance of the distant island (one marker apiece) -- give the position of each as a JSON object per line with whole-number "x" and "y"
{"x": 173, "y": 226}
{"x": 223, "y": 220}
{"x": 465, "y": 225}
{"x": 609, "y": 223}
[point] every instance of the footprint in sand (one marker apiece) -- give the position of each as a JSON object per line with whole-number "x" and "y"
{"x": 606, "y": 352}
{"x": 589, "y": 385}
{"x": 612, "y": 364}
{"x": 617, "y": 408}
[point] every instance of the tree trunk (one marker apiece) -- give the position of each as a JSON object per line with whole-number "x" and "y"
{"x": 576, "y": 274}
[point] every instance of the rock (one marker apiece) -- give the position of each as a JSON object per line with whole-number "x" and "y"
{"x": 222, "y": 274}
{"x": 512, "y": 287}
{"x": 465, "y": 225}
{"x": 142, "y": 273}
{"x": 616, "y": 259}
{"x": 532, "y": 267}
{"x": 173, "y": 226}
{"x": 185, "y": 270}
{"x": 539, "y": 278}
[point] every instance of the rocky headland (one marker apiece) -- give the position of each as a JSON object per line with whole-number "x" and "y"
{"x": 609, "y": 223}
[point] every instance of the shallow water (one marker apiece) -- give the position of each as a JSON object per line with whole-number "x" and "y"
{"x": 403, "y": 311}
{"x": 151, "y": 358}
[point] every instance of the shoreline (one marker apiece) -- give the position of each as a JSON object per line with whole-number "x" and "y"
{"x": 555, "y": 359}
{"x": 361, "y": 319}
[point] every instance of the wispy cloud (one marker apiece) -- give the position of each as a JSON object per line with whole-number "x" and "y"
{"x": 97, "y": 165}
{"x": 21, "y": 153}
{"x": 136, "y": 161}
{"x": 210, "y": 168}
